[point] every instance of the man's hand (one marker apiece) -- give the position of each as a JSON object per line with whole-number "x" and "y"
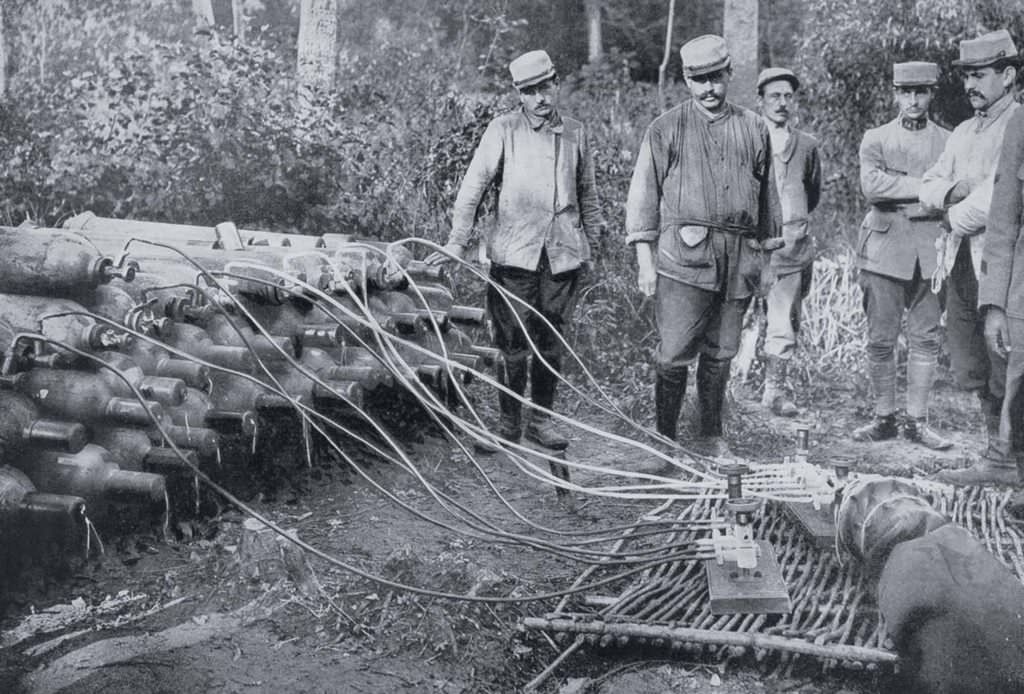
{"x": 647, "y": 273}
{"x": 451, "y": 253}
{"x": 960, "y": 191}
{"x": 997, "y": 334}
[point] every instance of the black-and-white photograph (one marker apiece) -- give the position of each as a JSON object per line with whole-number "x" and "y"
{"x": 496, "y": 346}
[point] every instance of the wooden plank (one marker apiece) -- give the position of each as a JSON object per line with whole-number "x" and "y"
{"x": 818, "y": 525}
{"x": 752, "y": 591}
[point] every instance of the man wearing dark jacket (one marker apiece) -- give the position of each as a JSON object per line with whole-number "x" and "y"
{"x": 700, "y": 203}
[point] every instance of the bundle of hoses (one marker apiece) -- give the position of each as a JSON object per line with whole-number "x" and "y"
{"x": 220, "y": 335}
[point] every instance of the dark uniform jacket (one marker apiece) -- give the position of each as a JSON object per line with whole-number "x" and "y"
{"x": 797, "y": 171}
{"x": 897, "y": 232}
{"x": 702, "y": 190}
{"x": 1002, "y": 267}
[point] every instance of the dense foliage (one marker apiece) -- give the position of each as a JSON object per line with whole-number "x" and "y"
{"x": 118, "y": 106}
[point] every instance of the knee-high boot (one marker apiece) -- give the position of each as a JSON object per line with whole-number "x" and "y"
{"x": 669, "y": 389}
{"x": 543, "y": 381}
{"x": 712, "y": 381}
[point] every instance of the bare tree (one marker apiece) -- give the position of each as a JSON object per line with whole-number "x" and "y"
{"x": 238, "y": 19}
{"x": 741, "y": 34}
{"x": 595, "y": 41}
{"x": 318, "y": 38}
{"x": 663, "y": 68}
{"x": 3, "y": 55}
{"x": 203, "y": 11}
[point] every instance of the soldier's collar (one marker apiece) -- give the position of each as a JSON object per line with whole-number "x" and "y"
{"x": 913, "y": 123}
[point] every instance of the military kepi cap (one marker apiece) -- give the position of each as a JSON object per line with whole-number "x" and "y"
{"x": 703, "y": 55}
{"x": 915, "y": 74}
{"x": 770, "y": 74}
{"x": 531, "y": 68}
{"x": 986, "y": 49}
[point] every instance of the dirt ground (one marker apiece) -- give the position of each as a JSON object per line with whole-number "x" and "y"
{"x": 325, "y": 630}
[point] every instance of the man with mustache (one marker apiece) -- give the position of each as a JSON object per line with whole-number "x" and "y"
{"x": 1001, "y": 291}
{"x": 701, "y": 201}
{"x": 960, "y": 182}
{"x": 797, "y": 169}
{"x": 896, "y": 257}
{"x": 548, "y": 217}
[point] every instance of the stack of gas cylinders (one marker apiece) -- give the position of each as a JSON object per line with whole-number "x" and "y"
{"x": 134, "y": 353}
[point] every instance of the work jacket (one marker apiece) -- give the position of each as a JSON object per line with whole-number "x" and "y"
{"x": 702, "y": 190}
{"x": 546, "y": 192}
{"x": 1001, "y": 282}
{"x": 797, "y": 170}
{"x": 898, "y": 233}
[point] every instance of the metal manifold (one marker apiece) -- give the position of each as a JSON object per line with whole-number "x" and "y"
{"x": 834, "y": 620}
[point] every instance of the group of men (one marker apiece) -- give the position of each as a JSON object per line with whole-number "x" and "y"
{"x": 717, "y": 212}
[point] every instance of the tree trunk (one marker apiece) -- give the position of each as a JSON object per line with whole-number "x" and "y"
{"x": 3, "y": 56}
{"x": 663, "y": 68}
{"x": 741, "y": 35}
{"x": 318, "y": 32}
{"x": 595, "y": 42}
{"x": 203, "y": 11}
{"x": 238, "y": 19}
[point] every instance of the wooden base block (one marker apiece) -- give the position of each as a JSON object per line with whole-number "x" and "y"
{"x": 817, "y": 525}
{"x": 752, "y": 591}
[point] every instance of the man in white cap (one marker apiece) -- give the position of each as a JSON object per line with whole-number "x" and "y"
{"x": 960, "y": 182}
{"x": 797, "y": 169}
{"x": 548, "y": 219}
{"x": 896, "y": 257}
{"x": 700, "y": 204}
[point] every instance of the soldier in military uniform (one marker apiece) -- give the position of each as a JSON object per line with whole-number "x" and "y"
{"x": 960, "y": 183}
{"x": 1001, "y": 296}
{"x": 896, "y": 256}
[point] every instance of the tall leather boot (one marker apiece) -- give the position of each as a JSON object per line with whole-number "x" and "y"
{"x": 775, "y": 397}
{"x": 540, "y": 428}
{"x": 712, "y": 380}
{"x": 510, "y": 426}
{"x": 920, "y": 377}
{"x": 669, "y": 389}
{"x": 991, "y": 410}
{"x": 882, "y": 373}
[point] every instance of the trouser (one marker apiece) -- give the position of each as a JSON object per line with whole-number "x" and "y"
{"x": 516, "y": 326}
{"x": 885, "y": 299}
{"x": 783, "y": 307}
{"x": 694, "y": 323}
{"x": 1011, "y": 420}
{"x": 975, "y": 367}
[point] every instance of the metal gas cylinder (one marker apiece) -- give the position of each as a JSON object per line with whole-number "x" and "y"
{"x": 205, "y": 442}
{"x": 197, "y": 410}
{"x": 22, "y": 507}
{"x": 157, "y": 361}
{"x": 81, "y": 395}
{"x": 131, "y": 449}
{"x": 53, "y": 263}
{"x": 195, "y": 341}
{"x": 164, "y": 390}
{"x": 21, "y": 425}
{"x": 38, "y": 314}
{"x": 114, "y": 303}
{"x": 90, "y": 475}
